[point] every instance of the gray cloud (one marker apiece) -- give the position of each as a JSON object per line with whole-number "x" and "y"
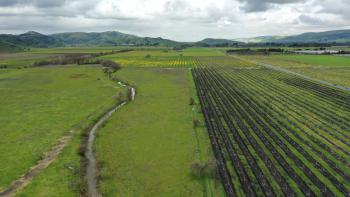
{"x": 260, "y": 5}
{"x": 341, "y": 8}
{"x": 186, "y": 20}
{"x": 36, "y": 3}
{"x": 309, "y": 20}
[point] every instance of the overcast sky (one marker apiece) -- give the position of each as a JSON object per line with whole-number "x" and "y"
{"x": 182, "y": 20}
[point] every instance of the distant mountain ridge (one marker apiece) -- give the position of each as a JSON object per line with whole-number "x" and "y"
{"x": 110, "y": 38}
{"x": 217, "y": 42}
{"x": 113, "y": 38}
{"x": 336, "y": 36}
{"x": 8, "y": 47}
{"x": 30, "y": 39}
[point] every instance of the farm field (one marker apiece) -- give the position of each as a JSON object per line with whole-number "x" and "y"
{"x": 39, "y": 105}
{"x": 333, "y": 69}
{"x": 273, "y": 133}
{"x": 260, "y": 132}
{"x": 28, "y": 58}
{"x": 162, "y": 58}
{"x": 25, "y": 59}
{"x": 174, "y": 98}
{"x": 156, "y": 139}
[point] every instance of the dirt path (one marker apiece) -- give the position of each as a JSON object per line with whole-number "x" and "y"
{"x": 49, "y": 157}
{"x": 91, "y": 170}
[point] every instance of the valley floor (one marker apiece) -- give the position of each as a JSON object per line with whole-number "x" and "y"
{"x": 146, "y": 148}
{"x": 257, "y": 130}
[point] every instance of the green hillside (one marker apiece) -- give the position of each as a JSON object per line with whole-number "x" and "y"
{"x": 338, "y": 36}
{"x": 110, "y": 38}
{"x": 217, "y": 42}
{"x": 6, "y": 47}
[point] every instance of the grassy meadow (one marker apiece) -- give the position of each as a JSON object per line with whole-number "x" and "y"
{"x": 148, "y": 147}
{"x": 41, "y": 104}
{"x": 334, "y": 69}
{"x": 22, "y": 60}
{"x": 49, "y": 101}
{"x": 156, "y": 139}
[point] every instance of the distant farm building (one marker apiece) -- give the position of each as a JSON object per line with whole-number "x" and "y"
{"x": 317, "y": 52}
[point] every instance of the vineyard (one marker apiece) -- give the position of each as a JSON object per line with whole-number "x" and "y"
{"x": 272, "y": 133}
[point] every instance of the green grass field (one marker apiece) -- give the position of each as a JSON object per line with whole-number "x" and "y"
{"x": 316, "y": 60}
{"x": 41, "y": 104}
{"x": 333, "y": 69}
{"x": 65, "y": 86}
{"x": 61, "y": 178}
{"x": 22, "y": 60}
{"x": 146, "y": 148}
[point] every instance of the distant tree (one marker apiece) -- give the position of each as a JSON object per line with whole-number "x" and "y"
{"x": 111, "y": 64}
{"x": 108, "y": 72}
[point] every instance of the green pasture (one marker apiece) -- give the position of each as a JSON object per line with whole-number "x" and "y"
{"x": 147, "y": 147}
{"x": 333, "y": 69}
{"x": 39, "y": 105}
{"x": 22, "y": 60}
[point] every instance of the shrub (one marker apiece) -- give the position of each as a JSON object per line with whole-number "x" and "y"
{"x": 148, "y": 56}
{"x": 201, "y": 170}
{"x": 108, "y": 72}
{"x": 192, "y": 102}
{"x": 195, "y": 123}
{"x": 82, "y": 149}
{"x": 111, "y": 64}
{"x": 197, "y": 169}
{"x": 210, "y": 168}
{"x": 119, "y": 97}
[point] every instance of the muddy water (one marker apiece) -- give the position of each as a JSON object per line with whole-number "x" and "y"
{"x": 133, "y": 93}
{"x": 91, "y": 171}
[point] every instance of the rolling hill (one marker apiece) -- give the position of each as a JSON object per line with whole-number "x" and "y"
{"x": 6, "y": 47}
{"x": 30, "y": 39}
{"x": 217, "y": 42}
{"x": 9, "y": 42}
{"x": 110, "y": 38}
{"x": 337, "y": 36}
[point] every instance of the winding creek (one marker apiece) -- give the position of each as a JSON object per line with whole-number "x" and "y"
{"x": 91, "y": 170}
